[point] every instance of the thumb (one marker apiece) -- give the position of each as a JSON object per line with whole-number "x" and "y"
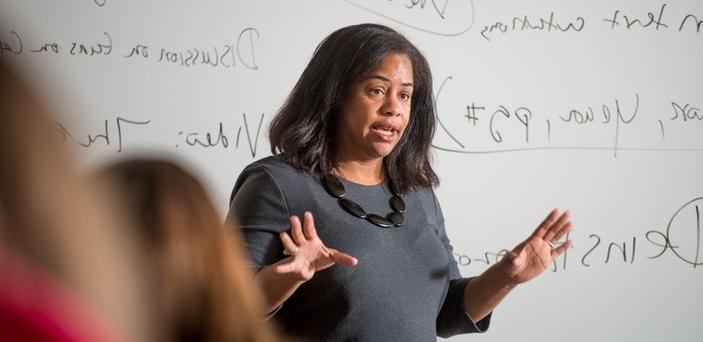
{"x": 517, "y": 256}
{"x": 284, "y": 268}
{"x": 516, "y": 259}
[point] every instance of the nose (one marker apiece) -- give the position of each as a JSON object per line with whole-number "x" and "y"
{"x": 392, "y": 106}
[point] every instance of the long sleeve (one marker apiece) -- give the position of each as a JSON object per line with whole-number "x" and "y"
{"x": 260, "y": 209}
{"x": 452, "y": 318}
{"x": 407, "y": 285}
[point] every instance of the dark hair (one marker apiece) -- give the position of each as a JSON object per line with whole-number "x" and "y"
{"x": 305, "y": 127}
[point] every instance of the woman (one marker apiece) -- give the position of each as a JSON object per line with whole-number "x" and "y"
{"x": 354, "y": 139}
{"x": 204, "y": 290}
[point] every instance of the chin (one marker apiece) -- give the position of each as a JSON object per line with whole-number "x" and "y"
{"x": 383, "y": 151}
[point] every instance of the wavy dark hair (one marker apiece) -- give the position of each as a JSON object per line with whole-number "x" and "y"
{"x": 305, "y": 128}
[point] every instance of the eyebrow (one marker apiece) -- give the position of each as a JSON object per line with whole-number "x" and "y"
{"x": 386, "y": 79}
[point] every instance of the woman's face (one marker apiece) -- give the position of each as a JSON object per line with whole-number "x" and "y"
{"x": 376, "y": 110}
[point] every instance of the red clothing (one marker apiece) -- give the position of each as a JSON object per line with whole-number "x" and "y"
{"x": 35, "y": 306}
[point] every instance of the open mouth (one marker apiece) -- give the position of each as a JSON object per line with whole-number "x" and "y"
{"x": 384, "y": 131}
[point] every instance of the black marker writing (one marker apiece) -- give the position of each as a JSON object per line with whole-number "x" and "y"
{"x": 194, "y": 138}
{"x": 122, "y": 122}
{"x": 48, "y": 47}
{"x": 525, "y": 23}
{"x": 139, "y": 50}
{"x": 579, "y": 117}
{"x": 661, "y": 128}
{"x": 687, "y": 219}
{"x": 104, "y": 48}
{"x": 664, "y": 244}
{"x": 220, "y": 138}
{"x": 522, "y": 114}
{"x": 694, "y": 20}
{"x": 422, "y": 3}
{"x": 683, "y": 237}
{"x": 471, "y": 113}
{"x": 630, "y": 22}
{"x": 436, "y": 106}
{"x": 212, "y": 57}
{"x": 503, "y": 120}
{"x": 15, "y": 46}
{"x": 226, "y": 55}
{"x": 463, "y": 11}
{"x": 247, "y": 57}
{"x": 255, "y": 143}
{"x": 621, "y": 119}
{"x": 583, "y": 258}
{"x": 106, "y": 135}
{"x": 62, "y": 132}
{"x": 686, "y": 112}
{"x": 93, "y": 138}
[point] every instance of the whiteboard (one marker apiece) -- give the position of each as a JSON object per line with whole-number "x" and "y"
{"x": 590, "y": 106}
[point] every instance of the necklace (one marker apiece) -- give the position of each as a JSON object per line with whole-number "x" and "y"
{"x": 395, "y": 218}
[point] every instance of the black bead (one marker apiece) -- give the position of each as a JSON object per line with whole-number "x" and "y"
{"x": 396, "y": 218}
{"x": 352, "y": 208}
{"x": 398, "y": 204}
{"x": 334, "y": 186}
{"x": 379, "y": 220}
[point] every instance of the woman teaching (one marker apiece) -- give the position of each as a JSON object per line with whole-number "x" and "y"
{"x": 342, "y": 224}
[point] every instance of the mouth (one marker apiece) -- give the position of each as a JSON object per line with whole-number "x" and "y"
{"x": 386, "y": 132}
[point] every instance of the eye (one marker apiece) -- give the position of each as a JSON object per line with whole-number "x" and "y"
{"x": 378, "y": 91}
{"x": 405, "y": 96}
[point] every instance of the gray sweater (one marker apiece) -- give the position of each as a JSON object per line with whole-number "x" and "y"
{"x": 406, "y": 286}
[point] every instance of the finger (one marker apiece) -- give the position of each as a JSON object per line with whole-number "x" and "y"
{"x": 565, "y": 229}
{"x": 548, "y": 221}
{"x": 342, "y": 258}
{"x": 309, "y": 226}
{"x": 288, "y": 244}
{"x": 321, "y": 266}
{"x": 561, "y": 249}
{"x": 296, "y": 231}
{"x": 553, "y": 230}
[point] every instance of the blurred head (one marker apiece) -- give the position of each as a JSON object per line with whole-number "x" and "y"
{"x": 56, "y": 221}
{"x": 205, "y": 290}
{"x": 321, "y": 109}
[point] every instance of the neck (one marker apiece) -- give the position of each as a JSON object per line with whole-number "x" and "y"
{"x": 362, "y": 172}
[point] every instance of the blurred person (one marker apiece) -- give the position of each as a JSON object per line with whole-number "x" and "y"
{"x": 205, "y": 290}
{"x": 66, "y": 272}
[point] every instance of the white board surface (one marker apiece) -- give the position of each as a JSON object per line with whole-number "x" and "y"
{"x": 589, "y": 106}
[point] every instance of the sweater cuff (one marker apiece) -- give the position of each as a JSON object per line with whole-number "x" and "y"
{"x": 453, "y": 319}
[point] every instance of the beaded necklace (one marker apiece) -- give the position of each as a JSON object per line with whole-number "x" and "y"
{"x": 395, "y": 218}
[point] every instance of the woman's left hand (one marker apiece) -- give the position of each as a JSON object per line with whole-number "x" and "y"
{"x": 530, "y": 258}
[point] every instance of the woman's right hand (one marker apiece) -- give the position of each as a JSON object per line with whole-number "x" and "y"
{"x": 308, "y": 254}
